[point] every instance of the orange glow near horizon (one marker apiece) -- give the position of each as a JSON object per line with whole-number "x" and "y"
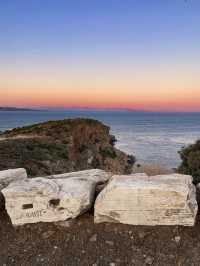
{"x": 137, "y": 89}
{"x": 135, "y": 101}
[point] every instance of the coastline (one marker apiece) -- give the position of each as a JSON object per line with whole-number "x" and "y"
{"x": 150, "y": 137}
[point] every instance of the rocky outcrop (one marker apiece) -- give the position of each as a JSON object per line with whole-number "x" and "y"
{"x": 148, "y": 200}
{"x": 57, "y": 147}
{"x": 54, "y": 198}
{"x": 8, "y": 176}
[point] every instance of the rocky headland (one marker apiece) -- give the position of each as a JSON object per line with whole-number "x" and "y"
{"x": 62, "y": 146}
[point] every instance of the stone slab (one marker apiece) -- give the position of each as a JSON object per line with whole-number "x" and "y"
{"x": 148, "y": 200}
{"x": 98, "y": 176}
{"x": 11, "y": 175}
{"x": 48, "y": 200}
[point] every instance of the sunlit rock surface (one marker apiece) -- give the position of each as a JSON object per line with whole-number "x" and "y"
{"x": 142, "y": 200}
{"x": 98, "y": 176}
{"x": 48, "y": 200}
{"x": 8, "y": 176}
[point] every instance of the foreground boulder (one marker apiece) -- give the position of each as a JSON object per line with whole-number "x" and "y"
{"x": 53, "y": 198}
{"x": 48, "y": 200}
{"x": 98, "y": 176}
{"x": 142, "y": 200}
{"x": 8, "y": 176}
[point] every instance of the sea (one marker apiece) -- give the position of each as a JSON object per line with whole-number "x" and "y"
{"x": 153, "y": 138}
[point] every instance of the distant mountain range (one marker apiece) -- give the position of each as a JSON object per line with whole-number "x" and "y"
{"x": 8, "y": 108}
{"x": 16, "y": 109}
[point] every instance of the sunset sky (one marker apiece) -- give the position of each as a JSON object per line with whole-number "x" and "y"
{"x": 137, "y": 54}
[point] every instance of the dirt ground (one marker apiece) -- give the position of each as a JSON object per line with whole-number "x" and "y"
{"x": 81, "y": 242}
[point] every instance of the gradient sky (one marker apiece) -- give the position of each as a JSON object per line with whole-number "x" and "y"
{"x": 137, "y": 54}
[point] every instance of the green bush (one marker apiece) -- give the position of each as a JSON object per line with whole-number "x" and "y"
{"x": 108, "y": 152}
{"x": 190, "y": 165}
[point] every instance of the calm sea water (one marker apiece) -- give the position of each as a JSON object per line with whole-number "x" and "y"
{"x": 151, "y": 137}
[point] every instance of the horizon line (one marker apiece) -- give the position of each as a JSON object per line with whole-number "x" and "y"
{"x": 49, "y": 108}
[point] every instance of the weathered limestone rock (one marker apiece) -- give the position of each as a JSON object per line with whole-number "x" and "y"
{"x": 198, "y": 193}
{"x": 48, "y": 200}
{"x": 142, "y": 200}
{"x": 98, "y": 176}
{"x": 8, "y": 176}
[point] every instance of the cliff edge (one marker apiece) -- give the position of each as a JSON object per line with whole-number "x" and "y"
{"x": 62, "y": 146}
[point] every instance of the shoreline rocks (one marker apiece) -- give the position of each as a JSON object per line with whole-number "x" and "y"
{"x": 148, "y": 200}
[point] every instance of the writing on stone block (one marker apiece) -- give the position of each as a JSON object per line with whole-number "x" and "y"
{"x": 33, "y": 214}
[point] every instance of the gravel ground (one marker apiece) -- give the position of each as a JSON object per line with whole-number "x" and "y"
{"x": 81, "y": 242}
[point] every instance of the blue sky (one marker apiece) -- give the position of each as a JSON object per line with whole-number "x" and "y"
{"x": 85, "y": 35}
{"x": 99, "y": 28}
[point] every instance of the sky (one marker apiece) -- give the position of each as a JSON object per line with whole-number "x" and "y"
{"x": 137, "y": 54}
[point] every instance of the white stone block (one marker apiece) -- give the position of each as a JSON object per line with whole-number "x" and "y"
{"x": 48, "y": 200}
{"x": 148, "y": 200}
{"x": 98, "y": 176}
{"x": 10, "y": 175}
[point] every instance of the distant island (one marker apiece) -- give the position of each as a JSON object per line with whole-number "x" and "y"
{"x": 16, "y": 109}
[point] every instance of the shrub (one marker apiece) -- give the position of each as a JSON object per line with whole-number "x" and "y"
{"x": 108, "y": 152}
{"x": 190, "y": 165}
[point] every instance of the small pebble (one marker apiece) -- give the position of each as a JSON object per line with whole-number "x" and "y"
{"x": 110, "y": 243}
{"x": 141, "y": 235}
{"x": 64, "y": 223}
{"x": 177, "y": 239}
{"x": 79, "y": 223}
{"x": 149, "y": 261}
{"x": 47, "y": 234}
{"x": 93, "y": 238}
